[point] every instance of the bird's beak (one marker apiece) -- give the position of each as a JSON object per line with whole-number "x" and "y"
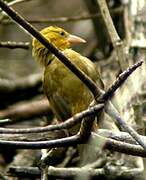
{"x": 75, "y": 39}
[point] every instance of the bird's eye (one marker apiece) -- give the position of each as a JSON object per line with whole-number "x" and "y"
{"x": 62, "y": 33}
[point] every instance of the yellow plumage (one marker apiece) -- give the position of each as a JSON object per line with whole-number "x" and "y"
{"x": 66, "y": 93}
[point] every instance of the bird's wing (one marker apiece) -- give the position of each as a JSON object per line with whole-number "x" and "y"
{"x": 60, "y": 107}
{"x": 86, "y": 65}
{"x": 52, "y": 85}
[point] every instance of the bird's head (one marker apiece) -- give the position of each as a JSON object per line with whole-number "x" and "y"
{"x": 58, "y": 37}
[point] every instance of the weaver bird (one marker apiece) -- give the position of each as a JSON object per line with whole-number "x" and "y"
{"x": 65, "y": 91}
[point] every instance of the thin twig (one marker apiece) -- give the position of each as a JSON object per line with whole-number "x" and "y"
{"x": 62, "y": 142}
{"x": 14, "y": 45}
{"x": 120, "y": 136}
{"x": 64, "y": 125}
{"x": 64, "y": 19}
{"x": 73, "y": 140}
{"x": 14, "y": 2}
{"x": 120, "y": 80}
{"x": 71, "y": 173}
{"x": 73, "y": 18}
{"x": 46, "y": 136}
{"x": 113, "y": 35}
{"x": 5, "y": 121}
{"x": 110, "y": 110}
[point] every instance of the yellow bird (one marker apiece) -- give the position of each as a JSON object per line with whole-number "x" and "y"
{"x": 65, "y": 91}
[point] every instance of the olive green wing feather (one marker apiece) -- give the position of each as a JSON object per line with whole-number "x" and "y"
{"x": 60, "y": 107}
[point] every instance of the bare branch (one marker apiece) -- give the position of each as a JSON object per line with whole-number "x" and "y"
{"x": 17, "y": 2}
{"x": 120, "y": 80}
{"x": 64, "y": 125}
{"x": 119, "y": 146}
{"x": 63, "y": 19}
{"x": 14, "y": 45}
{"x": 113, "y": 35}
{"x": 110, "y": 109}
{"x": 71, "y": 173}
